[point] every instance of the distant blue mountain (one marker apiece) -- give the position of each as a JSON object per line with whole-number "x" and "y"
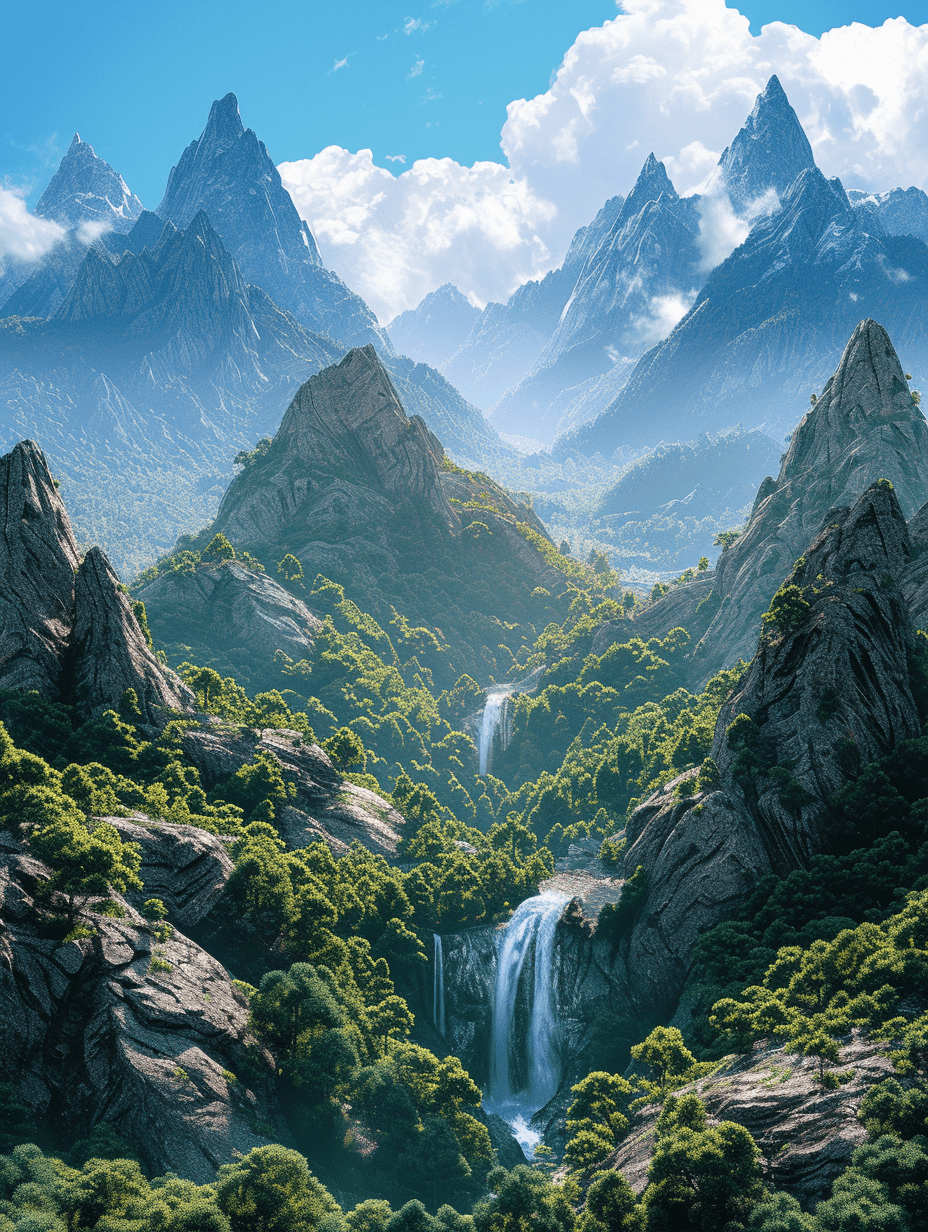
{"x": 770, "y": 324}
{"x": 228, "y": 173}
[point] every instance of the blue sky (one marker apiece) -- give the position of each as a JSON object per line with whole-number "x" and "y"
{"x": 404, "y": 79}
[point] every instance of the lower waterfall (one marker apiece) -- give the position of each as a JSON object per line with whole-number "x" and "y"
{"x": 438, "y": 986}
{"x": 493, "y": 713}
{"x": 525, "y": 1061}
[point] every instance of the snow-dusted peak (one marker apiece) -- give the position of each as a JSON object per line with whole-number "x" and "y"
{"x": 769, "y": 151}
{"x": 86, "y": 189}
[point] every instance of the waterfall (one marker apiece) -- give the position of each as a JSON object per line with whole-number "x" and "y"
{"x": 493, "y": 713}
{"x": 438, "y": 987}
{"x": 525, "y": 1063}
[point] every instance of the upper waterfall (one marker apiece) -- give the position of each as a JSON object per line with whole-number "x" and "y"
{"x": 525, "y": 1060}
{"x": 494, "y": 713}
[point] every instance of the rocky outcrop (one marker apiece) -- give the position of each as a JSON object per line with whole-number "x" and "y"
{"x": 185, "y": 867}
{"x": 38, "y": 559}
{"x": 71, "y": 638}
{"x": 865, "y": 426}
{"x": 231, "y": 605}
{"x": 679, "y": 608}
{"x": 806, "y": 1135}
{"x": 108, "y": 651}
{"x": 829, "y": 690}
{"x": 346, "y": 423}
{"x": 129, "y": 1030}
{"x": 362, "y": 493}
{"x": 325, "y": 807}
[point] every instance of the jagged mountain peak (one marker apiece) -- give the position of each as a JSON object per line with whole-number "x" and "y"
{"x": 228, "y": 173}
{"x": 224, "y": 124}
{"x": 653, "y": 181}
{"x": 769, "y": 152}
{"x": 434, "y": 330}
{"x": 867, "y": 392}
{"x": 865, "y": 427}
{"x": 351, "y": 415}
{"x": 108, "y": 649}
{"x": 86, "y": 189}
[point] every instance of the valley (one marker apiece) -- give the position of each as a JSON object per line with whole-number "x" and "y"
{"x": 468, "y": 773}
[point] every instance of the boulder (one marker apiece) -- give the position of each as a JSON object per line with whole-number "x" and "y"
{"x": 230, "y": 605}
{"x": 185, "y": 867}
{"x": 149, "y": 1036}
{"x": 325, "y": 806}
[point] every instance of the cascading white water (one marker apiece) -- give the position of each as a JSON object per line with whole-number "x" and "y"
{"x": 438, "y": 987}
{"x": 493, "y": 713}
{"x": 525, "y": 1044}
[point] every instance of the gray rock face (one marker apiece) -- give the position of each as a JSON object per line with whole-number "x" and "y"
{"x": 864, "y": 427}
{"x": 38, "y": 560}
{"x": 769, "y": 151}
{"x": 86, "y": 189}
{"x": 228, "y": 174}
{"x": 361, "y": 493}
{"x": 825, "y": 697}
{"x": 347, "y": 420}
{"x": 185, "y": 867}
{"x": 679, "y": 608}
{"x": 325, "y": 807}
{"x": 108, "y": 654}
{"x": 72, "y": 638}
{"x": 434, "y": 330}
{"x": 96, "y": 1030}
{"x": 806, "y": 1136}
{"x": 230, "y": 604}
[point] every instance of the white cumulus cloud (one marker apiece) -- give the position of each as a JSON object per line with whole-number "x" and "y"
{"x": 674, "y": 76}
{"x": 24, "y": 237}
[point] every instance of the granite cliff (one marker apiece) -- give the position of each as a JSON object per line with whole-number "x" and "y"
{"x": 866, "y": 425}
{"x": 68, "y": 629}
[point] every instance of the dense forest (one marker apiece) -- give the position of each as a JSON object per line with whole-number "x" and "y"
{"x": 810, "y": 958}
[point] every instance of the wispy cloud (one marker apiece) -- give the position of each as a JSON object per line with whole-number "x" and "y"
{"x": 396, "y": 158}
{"x": 412, "y": 24}
{"x": 23, "y": 237}
{"x": 416, "y": 70}
{"x": 430, "y": 96}
{"x": 340, "y": 64}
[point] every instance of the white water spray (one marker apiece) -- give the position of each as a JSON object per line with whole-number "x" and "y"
{"x": 438, "y": 987}
{"x": 493, "y": 714}
{"x": 525, "y": 1061}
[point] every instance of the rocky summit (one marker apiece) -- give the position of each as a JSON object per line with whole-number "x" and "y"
{"x": 363, "y": 495}
{"x": 228, "y": 174}
{"x": 865, "y": 426}
{"x": 68, "y": 630}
